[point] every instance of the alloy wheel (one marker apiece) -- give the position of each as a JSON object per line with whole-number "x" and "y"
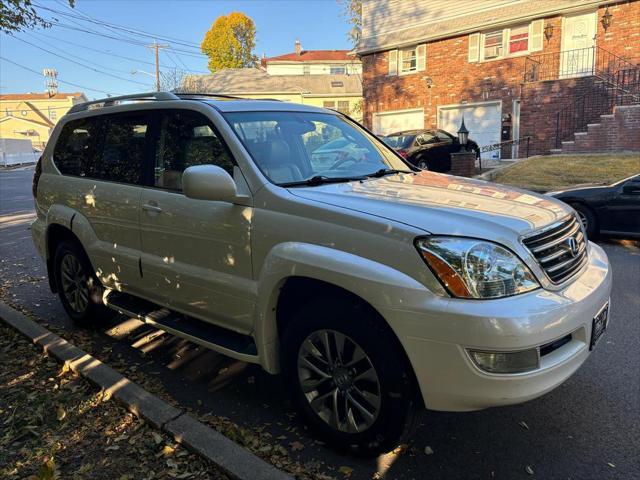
{"x": 339, "y": 381}
{"x": 74, "y": 284}
{"x": 584, "y": 220}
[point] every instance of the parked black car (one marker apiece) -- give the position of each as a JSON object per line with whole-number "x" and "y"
{"x": 609, "y": 209}
{"x": 428, "y": 149}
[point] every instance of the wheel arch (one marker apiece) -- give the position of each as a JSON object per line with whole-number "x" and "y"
{"x": 296, "y": 273}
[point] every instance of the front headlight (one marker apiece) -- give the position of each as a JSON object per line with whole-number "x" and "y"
{"x": 470, "y": 268}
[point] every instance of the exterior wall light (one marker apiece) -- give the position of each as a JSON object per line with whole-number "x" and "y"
{"x": 606, "y": 19}
{"x": 548, "y": 31}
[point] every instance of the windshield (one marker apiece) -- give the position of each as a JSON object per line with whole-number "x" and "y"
{"x": 398, "y": 141}
{"x": 292, "y": 147}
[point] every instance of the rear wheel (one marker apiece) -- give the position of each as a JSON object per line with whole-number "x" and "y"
{"x": 349, "y": 378}
{"x": 79, "y": 289}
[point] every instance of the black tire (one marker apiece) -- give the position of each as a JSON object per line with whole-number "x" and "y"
{"x": 588, "y": 219}
{"x": 396, "y": 412}
{"x": 84, "y": 313}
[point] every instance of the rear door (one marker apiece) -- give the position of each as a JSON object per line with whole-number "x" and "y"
{"x": 196, "y": 253}
{"x": 101, "y": 159}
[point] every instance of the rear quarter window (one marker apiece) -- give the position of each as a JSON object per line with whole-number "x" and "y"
{"x": 76, "y": 147}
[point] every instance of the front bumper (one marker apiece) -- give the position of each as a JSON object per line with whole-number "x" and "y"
{"x": 437, "y": 334}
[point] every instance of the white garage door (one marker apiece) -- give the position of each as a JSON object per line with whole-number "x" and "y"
{"x": 482, "y": 120}
{"x": 385, "y": 123}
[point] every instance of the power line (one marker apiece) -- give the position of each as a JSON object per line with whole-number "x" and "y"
{"x": 61, "y": 81}
{"x": 77, "y": 57}
{"x": 81, "y": 64}
{"x": 139, "y": 43}
{"x": 103, "y": 52}
{"x": 129, "y": 30}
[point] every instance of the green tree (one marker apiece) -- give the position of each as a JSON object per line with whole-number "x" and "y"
{"x": 18, "y": 15}
{"x": 230, "y": 41}
{"x": 352, "y": 9}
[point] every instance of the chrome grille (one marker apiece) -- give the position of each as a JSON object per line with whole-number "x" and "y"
{"x": 560, "y": 249}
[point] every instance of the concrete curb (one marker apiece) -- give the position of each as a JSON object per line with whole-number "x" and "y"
{"x": 231, "y": 458}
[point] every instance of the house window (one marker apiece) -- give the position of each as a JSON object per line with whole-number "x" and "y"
{"x": 343, "y": 106}
{"x": 306, "y": 69}
{"x": 492, "y": 45}
{"x": 408, "y": 60}
{"x": 53, "y": 114}
{"x": 327, "y": 104}
{"x": 519, "y": 39}
{"x": 337, "y": 70}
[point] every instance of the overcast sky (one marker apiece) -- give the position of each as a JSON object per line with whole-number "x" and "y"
{"x": 178, "y": 23}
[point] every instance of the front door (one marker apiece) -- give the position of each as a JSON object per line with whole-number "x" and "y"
{"x": 196, "y": 255}
{"x": 578, "y": 45}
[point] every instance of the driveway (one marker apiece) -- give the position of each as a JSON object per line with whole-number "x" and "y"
{"x": 589, "y": 428}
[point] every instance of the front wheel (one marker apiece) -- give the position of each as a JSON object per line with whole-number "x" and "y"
{"x": 79, "y": 289}
{"x": 587, "y": 218}
{"x": 349, "y": 378}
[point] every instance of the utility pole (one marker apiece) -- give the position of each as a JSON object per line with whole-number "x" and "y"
{"x": 155, "y": 46}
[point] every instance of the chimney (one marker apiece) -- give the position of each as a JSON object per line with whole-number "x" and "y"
{"x": 297, "y": 47}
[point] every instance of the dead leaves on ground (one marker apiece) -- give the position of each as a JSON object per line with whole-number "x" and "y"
{"x": 55, "y": 425}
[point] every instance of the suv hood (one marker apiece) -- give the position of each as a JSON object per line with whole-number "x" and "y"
{"x": 443, "y": 204}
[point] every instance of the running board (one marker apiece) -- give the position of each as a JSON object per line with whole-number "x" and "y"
{"x": 208, "y": 335}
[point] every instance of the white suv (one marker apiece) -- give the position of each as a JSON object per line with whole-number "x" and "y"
{"x": 375, "y": 288}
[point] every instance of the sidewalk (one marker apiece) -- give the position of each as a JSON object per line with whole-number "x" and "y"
{"x": 72, "y": 427}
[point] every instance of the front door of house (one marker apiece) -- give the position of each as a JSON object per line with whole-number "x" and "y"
{"x": 578, "y": 45}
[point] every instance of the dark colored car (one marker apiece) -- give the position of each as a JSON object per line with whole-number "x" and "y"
{"x": 428, "y": 149}
{"x": 608, "y": 209}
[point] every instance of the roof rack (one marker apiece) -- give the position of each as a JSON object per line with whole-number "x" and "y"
{"x": 221, "y": 95}
{"x": 110, "y": 101}
{"x": 204, "y": 94}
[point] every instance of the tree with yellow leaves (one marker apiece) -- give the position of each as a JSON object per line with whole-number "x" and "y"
{"x": 230, "y": 41}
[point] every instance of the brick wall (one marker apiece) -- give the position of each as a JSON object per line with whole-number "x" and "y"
{"x": 623, "y": 37}
{"x": 617, "y": 132}
{"x": 456, "y": 81}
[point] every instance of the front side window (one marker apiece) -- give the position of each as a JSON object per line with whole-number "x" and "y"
{"x": 493, "y": 45}
{"x": 291, "y": 147}
{"x": 408, "y": 60}
{"x": 125, "y": 142}
{"x": 75, "y": 150}
{"x": 186, "y": 139}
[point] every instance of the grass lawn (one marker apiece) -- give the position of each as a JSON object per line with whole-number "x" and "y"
{"x": 556, "y": 172}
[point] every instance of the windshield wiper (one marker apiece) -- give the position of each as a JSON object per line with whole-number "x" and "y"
{"x": 321, "y": 179}
{"x": 387, "y": 171}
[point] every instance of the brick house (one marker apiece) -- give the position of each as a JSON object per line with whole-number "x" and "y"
{"x": 546, "y": 69}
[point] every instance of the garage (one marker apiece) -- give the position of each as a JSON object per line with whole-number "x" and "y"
{"x": 483, "y": 120}
{"x": 385, "y": 123}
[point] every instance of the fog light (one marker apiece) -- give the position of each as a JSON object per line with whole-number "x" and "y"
{"x": 506, "y": 362}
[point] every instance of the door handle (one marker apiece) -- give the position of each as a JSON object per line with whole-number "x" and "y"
{"x": 151, "y": 208}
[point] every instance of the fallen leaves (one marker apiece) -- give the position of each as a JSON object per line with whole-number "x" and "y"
{"x": 54, "y": 425}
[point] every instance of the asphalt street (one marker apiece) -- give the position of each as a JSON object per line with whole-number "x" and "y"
{"x": 589, "y": 428}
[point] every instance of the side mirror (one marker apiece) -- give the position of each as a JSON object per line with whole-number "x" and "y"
{"x": 208, "y": 182}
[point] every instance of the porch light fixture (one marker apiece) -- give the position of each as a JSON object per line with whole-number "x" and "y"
{"x": 463, "y": 135}
{"x": 548, "y": 31}
{"x": 606, "y": 19}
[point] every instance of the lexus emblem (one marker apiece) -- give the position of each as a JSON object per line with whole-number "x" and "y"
{"x": 572, "y": 246}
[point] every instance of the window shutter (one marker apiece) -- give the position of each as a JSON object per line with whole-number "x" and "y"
{"x": 393, "y": 62}
{"x": 421, "y": 57}
{"x": 536, "y": 31}
{"x": 474, "y": 47}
